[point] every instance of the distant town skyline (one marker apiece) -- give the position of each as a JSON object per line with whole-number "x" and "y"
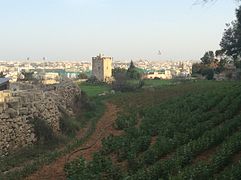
{"x": 123, "y": 29}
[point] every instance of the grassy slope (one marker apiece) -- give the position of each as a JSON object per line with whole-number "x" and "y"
{"x": 93, "y": 90}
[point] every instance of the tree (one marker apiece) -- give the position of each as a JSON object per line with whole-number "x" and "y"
{"x": 209, "y": 64}
{"x": 197, "y": 68}
{"x": 133, "y": 72}
{"x": 208, "y": 58}
{"x": 222, "y": 60}
{"x": 208, "y": 73}
{"x": 117, "y": 71}
{"x": 120, "y": 83}
{"x": 231, "y": 40}
{"x": 28, "y": 75}
{"x": 132, "y": 66}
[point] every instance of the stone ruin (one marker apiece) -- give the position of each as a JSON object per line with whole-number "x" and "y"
{"x": 19, "y": 107}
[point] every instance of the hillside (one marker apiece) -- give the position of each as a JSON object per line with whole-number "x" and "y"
{"x": 185, "y": 131}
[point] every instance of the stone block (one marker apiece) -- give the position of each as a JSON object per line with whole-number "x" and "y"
{"x": 1, "y": 108}
{"x": 12, "y": 113}
{"x": 4, "y": 116}
{"x": 13, "y": 102}
{"x": 23, "y": 111}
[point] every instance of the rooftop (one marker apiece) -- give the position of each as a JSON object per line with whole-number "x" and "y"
{"x": 4, "y": 80}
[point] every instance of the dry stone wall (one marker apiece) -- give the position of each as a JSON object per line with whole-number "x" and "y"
{"x": 19, "y": 108}
{"x": 16, "y": 131}
{"x": 64, "y": 95}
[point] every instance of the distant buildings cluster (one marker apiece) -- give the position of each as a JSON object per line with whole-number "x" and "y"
{"x": 162, "y": 70}
{"x": 67, "y": 69}
{"x": 101, "y": 67}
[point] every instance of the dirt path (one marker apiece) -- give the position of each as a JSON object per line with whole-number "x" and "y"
{"x": 55, "y": 170}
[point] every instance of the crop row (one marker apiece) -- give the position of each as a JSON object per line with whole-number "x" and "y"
{"x": 233, "y": 172}
{"x": 128, "y": 144}
{"x": 219, "y": 160}
{"x": 185, "y": 154}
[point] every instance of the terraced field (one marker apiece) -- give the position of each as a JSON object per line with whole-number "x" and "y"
{"x": 188, "y": 131}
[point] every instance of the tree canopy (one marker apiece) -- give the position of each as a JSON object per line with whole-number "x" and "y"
{"x": 118, "y": 72}
{"x": 133, "y": 72}
{"x": 208, "y": 58}
{"x": 231, "y": 41}
{"x": 28, "y": 75}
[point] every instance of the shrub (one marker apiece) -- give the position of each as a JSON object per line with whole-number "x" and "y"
{"x": 68, "y": 126}
{"x": 43, "y": 131}
{"x": 125, "y": 121}
{"x": 208, "y": 73}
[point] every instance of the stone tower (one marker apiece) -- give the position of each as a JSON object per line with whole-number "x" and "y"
{"x": 102, "y": 68}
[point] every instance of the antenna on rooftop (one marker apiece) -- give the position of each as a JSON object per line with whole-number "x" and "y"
{"x": 159, "y": 53}
{"x": 44, "y": 58}
{"x": 28, "y": 58}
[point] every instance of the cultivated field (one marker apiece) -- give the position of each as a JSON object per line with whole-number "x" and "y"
{"x": 186, "y": 131}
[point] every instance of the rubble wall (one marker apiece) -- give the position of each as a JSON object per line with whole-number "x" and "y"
{"x": 19, "y": 107}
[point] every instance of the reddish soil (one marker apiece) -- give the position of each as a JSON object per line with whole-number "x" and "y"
{"x": 205, "y": 156}
{"x": 236, "y": 157}
{"x": 104, "y": 128}
{"x": 81, "y": 134}
{"x": 167, "y": 156}
{"x": 153, "y": 140}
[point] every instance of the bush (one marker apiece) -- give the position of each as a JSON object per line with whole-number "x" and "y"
{"x": 82, "y": 102}
{"x": 125, "y": 86}
{"x": 208, "y": 73}
{"x": 68, "y": 126}
{"x": 76, "y": 169}
{"x": 124, "y": 121}
{"x": 99, "y": 168}
{"x": 94, "y": 80}
{"x": 43, "y": 131}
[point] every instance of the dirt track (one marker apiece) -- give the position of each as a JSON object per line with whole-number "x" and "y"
{"x": 104, "y": 128}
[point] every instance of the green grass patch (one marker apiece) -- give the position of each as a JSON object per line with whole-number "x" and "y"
{"x": 153, "y": 82}
{"x": 94, "y": 89}
{"x": 157, "y": 82}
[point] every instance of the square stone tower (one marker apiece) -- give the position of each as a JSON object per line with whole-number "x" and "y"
{"x": 102, "y": 68}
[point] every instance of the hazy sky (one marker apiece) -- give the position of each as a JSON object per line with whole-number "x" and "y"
{"x": 123, "y": 29}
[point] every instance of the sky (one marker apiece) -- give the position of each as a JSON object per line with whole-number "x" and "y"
{"x": 123, "y": 29}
